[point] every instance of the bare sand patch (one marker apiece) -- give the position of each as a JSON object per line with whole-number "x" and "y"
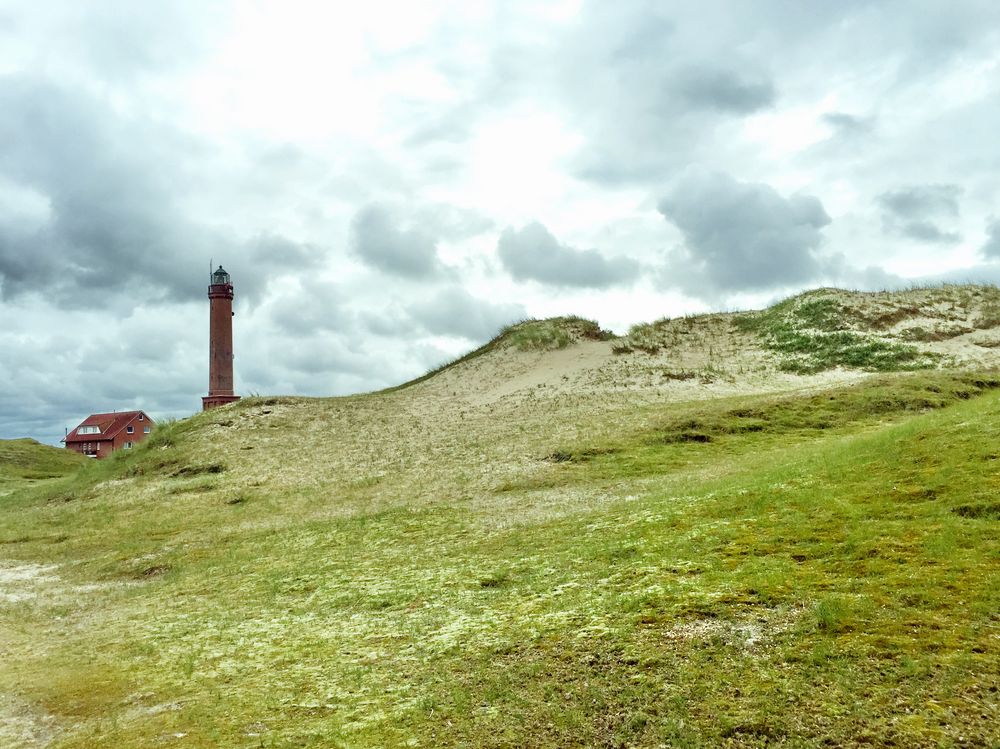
{"x": 23, "y": 725}
{"x": 21, "y": 582}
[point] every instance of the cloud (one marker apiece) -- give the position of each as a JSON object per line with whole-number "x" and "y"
{"x": 113, "y": 221}
{"x": 379, "y": 242}
{"x": 991, "y": 249}
{"x": 742, "y": 235}
{"x": 57, "y": 144}
{"x": 308, "y": 307}
{"x": 982, "y": 273}
{"x": 453, "y": 311}
{"x": 837, "y": 269}
{"x": 647, "y": 94}
{"x": 914, "y": 211}
{"x": 722, "y": 90}
{"x": 453, "y": 222}
{"x": 324, "y": 356}
{"x": 646, "y": 113}
{"x": 922, "y": 200}
{"x": 642, "y": 89}
{"x": 848, "y": 125}
{"x": 118, "y": 39}
{"x": 73, "y": 365}
{"x": 533, "y": 253}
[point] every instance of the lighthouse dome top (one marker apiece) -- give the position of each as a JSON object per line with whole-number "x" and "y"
{"x": 220, "y": 277}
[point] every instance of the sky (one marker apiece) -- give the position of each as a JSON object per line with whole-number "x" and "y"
{"x": 389, "y": 183}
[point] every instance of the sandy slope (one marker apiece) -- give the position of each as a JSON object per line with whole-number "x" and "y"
{"x": 709, "y": 356}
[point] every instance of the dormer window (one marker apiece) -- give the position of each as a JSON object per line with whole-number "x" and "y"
{"x": 89, "y": 430}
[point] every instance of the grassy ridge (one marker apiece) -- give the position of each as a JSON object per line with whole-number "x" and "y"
{"x": 526, "y": 335}
{"x": 812, "y": 334}
{"x": 24, "y": 461}
{"x": 816, "y": 569}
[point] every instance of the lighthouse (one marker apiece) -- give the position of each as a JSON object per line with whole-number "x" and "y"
{"x": 220, "y": 342}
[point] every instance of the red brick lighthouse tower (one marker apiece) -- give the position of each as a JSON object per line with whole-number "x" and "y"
{"x": 220, "y": 343}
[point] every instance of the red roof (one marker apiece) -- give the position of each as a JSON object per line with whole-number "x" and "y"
{"x": 109, "y": 424}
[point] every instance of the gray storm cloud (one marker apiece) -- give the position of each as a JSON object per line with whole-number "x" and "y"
{"x": 648, "y": 91}
{"x": 848, "y": 124}
{"x": 378, "y": 240}
{"x": 113, "y": 220}
{"x": 916, "y": 212}
{"x": 724, "y": 90}
{"x": 742, "y": 235}
{"x": 991, "y": 249}
{"x": 310, "y": 307}
{"x": 532, "y": 253}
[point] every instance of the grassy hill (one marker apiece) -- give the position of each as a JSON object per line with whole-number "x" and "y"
{"x": 776, "y": 528}
{"x": 24, "y": 461}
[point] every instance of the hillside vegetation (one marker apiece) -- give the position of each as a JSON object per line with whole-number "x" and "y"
{"x": 24, "y": 461}
{"x": 706, "y": 533}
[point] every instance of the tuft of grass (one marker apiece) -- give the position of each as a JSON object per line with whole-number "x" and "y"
{"x": 984, "y": 510}
{"x": 923, "y": 335}
{"x": 832, "y": 615}
{"x": 645, "y": 337}
{"x": 553, "y": 333}
{"x": 989, "y": 314}
{"x": 539, "y": 336}
{"x": 495, "y": 579}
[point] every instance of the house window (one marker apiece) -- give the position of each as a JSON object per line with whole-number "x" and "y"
{"x": 145, "y": 430}
{"x": 88, "y": 430}
{"x": 129, "y": 429}
{"x": 128, "y": 445}
{"x": 140, "y": 417}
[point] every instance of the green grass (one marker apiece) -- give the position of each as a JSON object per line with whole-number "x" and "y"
{"x": 25, "y": 461}
{"x": 699, "y": 433}
{"x": 821, "y": 570}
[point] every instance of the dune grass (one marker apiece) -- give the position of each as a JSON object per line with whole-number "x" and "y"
{"x": 817, "y": 569}
{"x": 812, "y": 333}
